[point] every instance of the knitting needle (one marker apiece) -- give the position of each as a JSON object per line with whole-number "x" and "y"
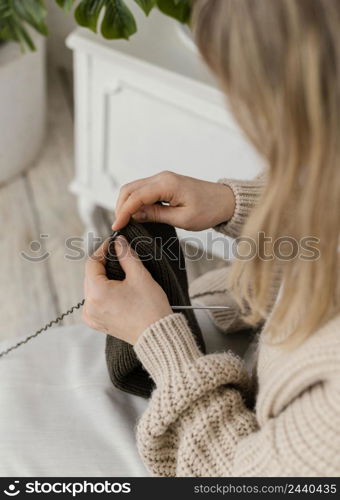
{"x": 210, "y": 308}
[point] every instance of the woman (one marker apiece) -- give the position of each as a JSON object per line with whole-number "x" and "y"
{"x": 279, "y": 64}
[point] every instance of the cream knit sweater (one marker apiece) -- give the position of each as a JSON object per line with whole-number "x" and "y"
{"x": 198, "y": 422}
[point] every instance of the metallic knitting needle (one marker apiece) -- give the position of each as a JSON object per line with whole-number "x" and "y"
{"x": 211, "y": 308}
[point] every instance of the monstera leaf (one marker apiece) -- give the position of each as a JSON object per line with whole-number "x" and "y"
{"x": 118, "y": 21}
{"x": 146, "y": 5}
{"x": 115, "y": 18}
{"x": 179, "y": 9}
{"x": 65, "y": 4}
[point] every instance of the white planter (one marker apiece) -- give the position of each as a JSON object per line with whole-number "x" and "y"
{"x": 22, "y": 107}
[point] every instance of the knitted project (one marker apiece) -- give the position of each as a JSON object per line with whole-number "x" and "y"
{"x": 159, "y": 248}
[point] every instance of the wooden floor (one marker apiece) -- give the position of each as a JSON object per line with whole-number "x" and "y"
{"x": 39, "y": 203}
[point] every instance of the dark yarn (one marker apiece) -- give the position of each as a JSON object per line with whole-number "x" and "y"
{"x": 167, "y": 266}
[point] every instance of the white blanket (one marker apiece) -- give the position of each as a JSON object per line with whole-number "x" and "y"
{"x": 60, "y": 414}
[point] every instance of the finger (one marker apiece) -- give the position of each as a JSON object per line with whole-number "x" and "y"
{"x": 127, "y": 190}
{"x": 159, "y": 213}
{"x": 159, "y": 179}
{"x": 95, "y": 265}
{"x": 128, "y": 259}
{"x": 146, "y": 195}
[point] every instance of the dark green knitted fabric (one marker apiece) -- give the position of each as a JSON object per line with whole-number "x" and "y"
{"x": 167, "y": 266}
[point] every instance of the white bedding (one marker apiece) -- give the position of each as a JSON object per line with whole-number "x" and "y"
{"x": 60, "y": 414}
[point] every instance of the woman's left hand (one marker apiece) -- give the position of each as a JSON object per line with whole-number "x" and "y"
{"x": 123, "y": 309}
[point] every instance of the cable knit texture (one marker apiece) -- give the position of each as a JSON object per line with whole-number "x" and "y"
{"x": 199, "y": 421}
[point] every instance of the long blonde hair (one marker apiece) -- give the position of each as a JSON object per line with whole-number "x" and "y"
{"x": 279, "y": 64}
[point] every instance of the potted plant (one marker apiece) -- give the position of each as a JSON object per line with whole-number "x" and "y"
{"x": 22, "y": 85}
{"x": 22, "y": 64}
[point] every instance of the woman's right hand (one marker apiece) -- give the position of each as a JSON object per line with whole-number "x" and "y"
{"x": 192, "y": 204}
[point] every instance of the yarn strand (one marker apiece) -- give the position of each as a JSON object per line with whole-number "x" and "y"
{"x": 43, "y": 329}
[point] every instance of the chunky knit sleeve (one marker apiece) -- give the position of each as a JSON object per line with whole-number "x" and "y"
{"x": 198, "y": 423}
{"x": 247, "y": 195}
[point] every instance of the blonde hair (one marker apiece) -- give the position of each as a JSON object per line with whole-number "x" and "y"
{"x": 279, "y": 62}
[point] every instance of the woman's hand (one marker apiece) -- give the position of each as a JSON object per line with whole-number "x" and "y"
{"x": 123, "y": 309}
{"x": 192, "y": 204}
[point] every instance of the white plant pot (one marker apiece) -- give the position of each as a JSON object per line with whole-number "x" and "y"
{"x": 22, "y": 107}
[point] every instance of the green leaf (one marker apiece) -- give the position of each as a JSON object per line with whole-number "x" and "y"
{"x": 118, "y": 21}
{"x": 15, "y": 14}
{"x": 33, "y": 12}
{"x": 178, "y": 9}
{"x": 146, "y": 5}
{"x": 17, "y": 33}
{"x": 65, "y": 4}
{"x": 88, "y": 12}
